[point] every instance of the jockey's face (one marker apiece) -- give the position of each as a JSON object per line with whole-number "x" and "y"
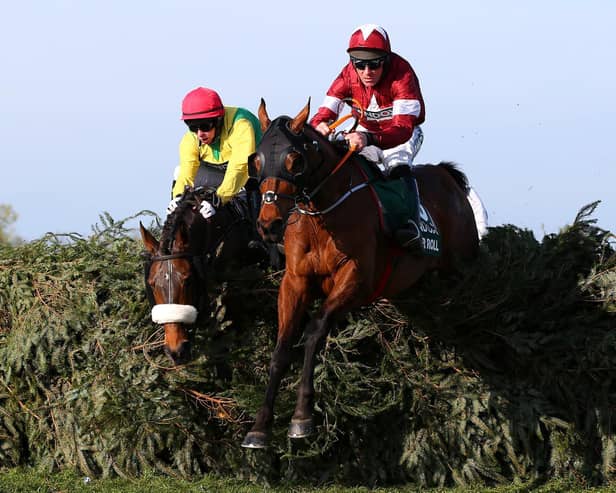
{"x": 206, "y": 137}
{"x": 205, "y": 129}
{"x": 370, "y": 76}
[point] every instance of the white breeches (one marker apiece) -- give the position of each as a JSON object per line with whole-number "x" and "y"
{"x": 404, "y": 154}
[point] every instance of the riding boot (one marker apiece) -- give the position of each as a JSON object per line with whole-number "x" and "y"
{"x": 408, "y": 236}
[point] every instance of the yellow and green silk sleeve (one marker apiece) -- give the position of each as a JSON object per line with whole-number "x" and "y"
{"x": 238, "y": 146}
{"x": 189, "y": 163}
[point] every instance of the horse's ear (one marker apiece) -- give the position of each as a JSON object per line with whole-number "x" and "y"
{"x": 148, "y": 239}
{"x": 297, "y": 124}
{"x": 263, "y": 117}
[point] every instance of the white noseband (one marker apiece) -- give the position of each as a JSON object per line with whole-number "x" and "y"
{"x": 171, "y": 313}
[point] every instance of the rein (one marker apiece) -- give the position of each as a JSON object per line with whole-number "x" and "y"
{"x": 343, "y": 160}
{"x": 159, "y": 258}
{"x": 350, "y": 102}
{"x": 342, "y": 198}
{"x": 336, "y": 168}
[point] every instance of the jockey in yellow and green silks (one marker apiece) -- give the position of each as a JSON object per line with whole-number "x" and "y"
{"x": 216, "y": 134}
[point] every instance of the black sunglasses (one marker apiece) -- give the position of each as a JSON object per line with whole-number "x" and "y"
{"x": 371, "y": 64}
{"x": 203, "y": 125}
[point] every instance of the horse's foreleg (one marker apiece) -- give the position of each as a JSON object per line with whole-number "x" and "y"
{"x": 292, "y": 303}
{"x": 302, "y": 423}
{"x": 339, "y": 301}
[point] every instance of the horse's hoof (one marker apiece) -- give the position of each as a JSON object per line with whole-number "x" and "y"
{"x": 255, "y": 439}
{"x": 300, "y": 428}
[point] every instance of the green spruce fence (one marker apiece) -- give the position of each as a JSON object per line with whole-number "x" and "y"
{"x": 504, "y": 372}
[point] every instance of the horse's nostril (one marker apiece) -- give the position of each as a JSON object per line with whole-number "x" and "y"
{"x": 180, "y": 355}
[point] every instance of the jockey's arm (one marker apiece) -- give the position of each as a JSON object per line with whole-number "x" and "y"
{"x": 242, "y": 143}
{"x": 189, "y": 163}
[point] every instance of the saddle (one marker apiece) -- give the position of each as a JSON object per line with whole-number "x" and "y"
{"x": 209, "y": 177}
{"x": 399, "y": 202}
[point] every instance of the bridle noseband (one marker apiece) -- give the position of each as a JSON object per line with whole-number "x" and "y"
{"x": 170, "y": 256}
{"x": 269, "y": 197}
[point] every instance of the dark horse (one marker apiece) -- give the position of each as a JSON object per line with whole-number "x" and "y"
{"x": 190, "y": 249}
{"x": 336, "y": 249}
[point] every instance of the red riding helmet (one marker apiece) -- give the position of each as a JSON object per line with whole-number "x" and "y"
{"x": 202, "y": 103}
{"x": 367, "y": 40}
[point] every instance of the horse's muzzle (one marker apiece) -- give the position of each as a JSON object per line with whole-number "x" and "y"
{"x": 179, "y": 355}
{"x": 271, "y": 231}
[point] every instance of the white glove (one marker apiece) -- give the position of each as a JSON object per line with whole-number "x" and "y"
{"x": 206, "y": 209}
{"x": 173, "y": 205}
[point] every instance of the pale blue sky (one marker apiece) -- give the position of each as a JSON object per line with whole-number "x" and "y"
{"x": 519, "y": 93}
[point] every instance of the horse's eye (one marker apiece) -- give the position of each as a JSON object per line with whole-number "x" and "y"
{"x": 294, "y": 163}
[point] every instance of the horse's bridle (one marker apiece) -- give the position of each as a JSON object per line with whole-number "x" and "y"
{"x": 167, "y": 258}
{"x": 303, "y": 196}
{"x": 196, "y": 262}
{"x": 279, "y": 152}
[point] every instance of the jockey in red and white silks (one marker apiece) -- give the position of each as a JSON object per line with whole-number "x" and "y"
{"x": 387, "y": 88}
{"x": 392, "y": 99}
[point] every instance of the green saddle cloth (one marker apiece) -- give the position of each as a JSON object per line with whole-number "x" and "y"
{"x": 398, "y": 207}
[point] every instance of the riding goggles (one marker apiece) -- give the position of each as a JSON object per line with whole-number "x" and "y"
{"x": 371, "y": 64}
{"x": 203, "y": 125}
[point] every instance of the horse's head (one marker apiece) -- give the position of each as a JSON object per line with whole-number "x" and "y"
{"x": 286, "y": 165}
{"x": 176, "y": 274}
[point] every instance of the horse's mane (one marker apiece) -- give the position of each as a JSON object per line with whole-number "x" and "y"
{"x": 175, "y": 220}
{"x": 339, "y": 150}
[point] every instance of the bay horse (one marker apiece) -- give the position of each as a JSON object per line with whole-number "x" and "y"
{"x": 320, "y": 201}
{"x": 190, "y": 251}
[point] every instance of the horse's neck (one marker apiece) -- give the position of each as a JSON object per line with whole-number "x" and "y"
{"x": 335, "y": 183}
{"x": 198, "y": 235}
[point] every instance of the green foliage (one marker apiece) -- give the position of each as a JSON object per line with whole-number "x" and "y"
{"x": 504, "y": 372}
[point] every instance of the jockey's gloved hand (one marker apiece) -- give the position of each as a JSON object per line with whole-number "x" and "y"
{"x": 206, "y": 209}
{"x": 173, "y": 205}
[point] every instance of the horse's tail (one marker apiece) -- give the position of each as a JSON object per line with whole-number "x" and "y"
{"x": 459, "y": 177}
